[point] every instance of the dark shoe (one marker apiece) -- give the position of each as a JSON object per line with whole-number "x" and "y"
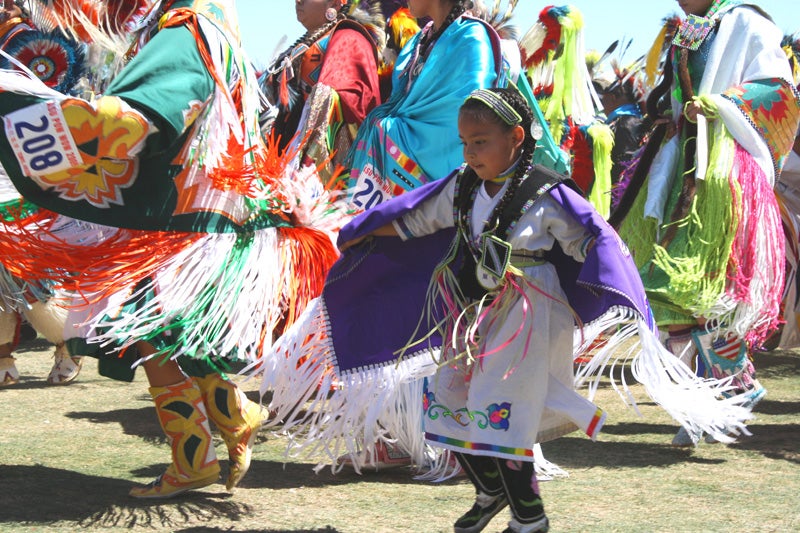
{"x": 540, "y": 526}
{"x": 481, "y": 513}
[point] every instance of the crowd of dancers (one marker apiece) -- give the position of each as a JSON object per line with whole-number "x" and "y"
{"x": 428, "y": 233}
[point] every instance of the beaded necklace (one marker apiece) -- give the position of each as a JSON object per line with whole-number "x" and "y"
{"x": 506, "y": 174}
{"x": 693, "y": 31}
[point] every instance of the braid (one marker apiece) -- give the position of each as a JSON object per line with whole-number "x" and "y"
{"x": 458, "y": 9}
{"x": 517, "y": 101}
{"x": 309, "y": 37}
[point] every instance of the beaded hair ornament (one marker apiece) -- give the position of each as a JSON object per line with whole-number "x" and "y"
{"x": 504, "y": 110}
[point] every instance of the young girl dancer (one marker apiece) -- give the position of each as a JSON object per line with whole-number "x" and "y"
{"x": 528, "y": 259}
{"x": 487, "y": 400}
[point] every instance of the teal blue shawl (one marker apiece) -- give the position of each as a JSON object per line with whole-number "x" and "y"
{"x": 412, "y": 138}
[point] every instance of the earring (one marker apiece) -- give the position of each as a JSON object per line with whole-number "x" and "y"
{"x": 331, "y": 14}
{"x": 537, "y": 131}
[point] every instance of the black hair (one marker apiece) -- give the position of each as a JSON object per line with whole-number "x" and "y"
{"x": 428, "y": 38}
{"x": 310, "y": 37}
{"x": 479, "y": 110}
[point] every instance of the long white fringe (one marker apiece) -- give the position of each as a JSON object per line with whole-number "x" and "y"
{"x": 696, "y": 403}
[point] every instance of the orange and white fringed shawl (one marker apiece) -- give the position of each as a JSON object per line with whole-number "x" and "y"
{"x": 242, "y": 249}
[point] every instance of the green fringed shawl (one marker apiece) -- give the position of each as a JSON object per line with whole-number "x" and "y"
{"x": 689, "y": 275}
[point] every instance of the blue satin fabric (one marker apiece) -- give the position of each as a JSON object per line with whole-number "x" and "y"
{"x": 419, "y": 121}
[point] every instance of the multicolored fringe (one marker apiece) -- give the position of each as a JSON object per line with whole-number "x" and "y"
{"x": 218, "y": 294}
{"x": 731, "y": 270}
{"x": 554, "y": 58}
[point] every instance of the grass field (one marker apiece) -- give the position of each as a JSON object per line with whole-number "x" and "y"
{"x": 68, "y": 456}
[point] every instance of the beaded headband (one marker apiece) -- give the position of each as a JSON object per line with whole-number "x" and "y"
{"x": 501, "y": 108}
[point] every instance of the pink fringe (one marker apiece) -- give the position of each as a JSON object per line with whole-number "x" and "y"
{"x": 758, "y": 214}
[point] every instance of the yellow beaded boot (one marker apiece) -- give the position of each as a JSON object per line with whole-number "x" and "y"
{"x": 184, "y": 420}
{"x": 237, "y": 418}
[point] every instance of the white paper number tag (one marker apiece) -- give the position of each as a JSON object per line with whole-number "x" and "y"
{"x": 41, "y": 140}
{"x": 370, "y": 189}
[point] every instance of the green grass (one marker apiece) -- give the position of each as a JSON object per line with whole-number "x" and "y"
{"x": 68, "y": 456}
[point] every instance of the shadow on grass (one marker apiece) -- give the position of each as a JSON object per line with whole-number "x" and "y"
{"x": 571, "y": 452}
{"x": 773, "y": 441}
{"x": 92, "y": 501}
{"x": 203, "y": 529}
{"x": 140, "y": 422}
{"x": 277, "y": 475}
{"x": 36, "y": 345}
{"x": 777, "y": 407}
{"x": 778, "y": 364}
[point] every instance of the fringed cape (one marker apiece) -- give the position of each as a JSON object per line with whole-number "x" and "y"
{"x": 197, "y": 243}
{"x": 342, "y": 355}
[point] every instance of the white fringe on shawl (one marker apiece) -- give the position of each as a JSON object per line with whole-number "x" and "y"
{"x": 331, "y": 416}
{"x": 308, "y": 397}
{"x": 696, "y": 403}
{"x": 340, "y": 418}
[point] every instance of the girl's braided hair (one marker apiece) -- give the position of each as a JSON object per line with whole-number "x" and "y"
{"x": 480, "y": 111}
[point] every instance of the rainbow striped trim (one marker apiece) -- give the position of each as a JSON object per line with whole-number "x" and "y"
{"x": 520, "y": 452}
{"x": 407, "y": 164}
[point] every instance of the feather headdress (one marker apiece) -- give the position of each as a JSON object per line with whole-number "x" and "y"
{"x": 609, "y": 73}
{"x": 553, "y": 54}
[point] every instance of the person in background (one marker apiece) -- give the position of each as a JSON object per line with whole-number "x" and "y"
{"x": 699, "y": 215}
{"x": 322, "y": 86}
{"x": 410, "y": 139}
{"x": 622, "y": 107}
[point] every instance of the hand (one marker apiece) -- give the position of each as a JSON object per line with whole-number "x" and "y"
{"x": 671, "y": 127}
{"x": 353, "y": 242}
{"x": 691, "y": 110}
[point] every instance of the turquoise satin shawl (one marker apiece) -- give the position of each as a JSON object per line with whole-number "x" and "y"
{"x": 412, "y": 139}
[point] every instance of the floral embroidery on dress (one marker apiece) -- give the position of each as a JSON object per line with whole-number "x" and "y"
{"x": 499, "y": 415}
{"x": 495, "y": 416}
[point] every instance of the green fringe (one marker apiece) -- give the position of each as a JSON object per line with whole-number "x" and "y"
{"x": 602, "y": 143}
{"x": 639, "y": 233}
{"x": 696, "y": 262}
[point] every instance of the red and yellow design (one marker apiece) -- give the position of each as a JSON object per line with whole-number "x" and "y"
{"x": 772, "y": 106}
{"x": 108, "y": 135}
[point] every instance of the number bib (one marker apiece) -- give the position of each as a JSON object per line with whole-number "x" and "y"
{"x": 41, "y": 140}
{"x": 370, "y": 189}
